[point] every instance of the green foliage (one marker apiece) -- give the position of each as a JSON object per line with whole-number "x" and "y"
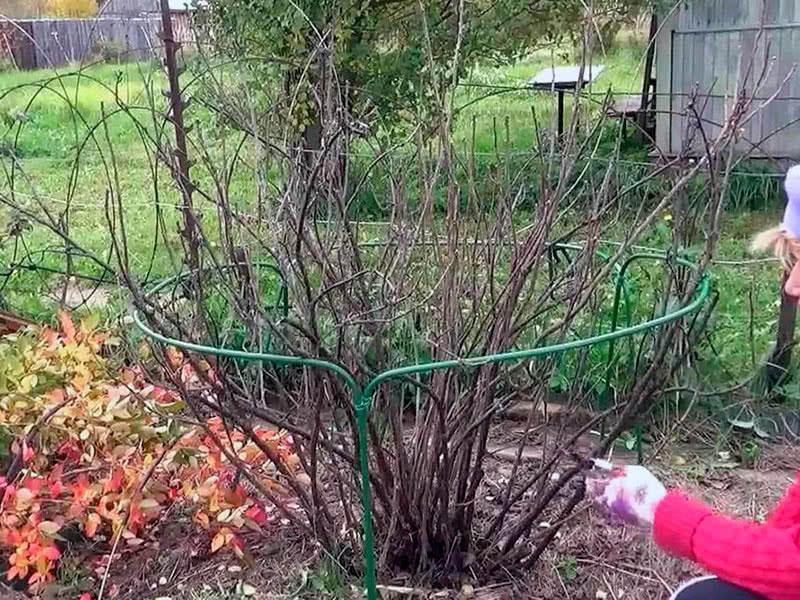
{"x": 327, "y": 580}
{"x": 568, "y": 568}
{"x": 396, "y": 56}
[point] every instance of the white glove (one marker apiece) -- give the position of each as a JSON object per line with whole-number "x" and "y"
{"x": 629, "y": 494}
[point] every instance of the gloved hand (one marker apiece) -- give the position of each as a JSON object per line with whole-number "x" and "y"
{"x": 629, "y": 494}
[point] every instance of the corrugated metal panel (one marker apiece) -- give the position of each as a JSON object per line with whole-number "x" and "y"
{"x": 707, "y": 49}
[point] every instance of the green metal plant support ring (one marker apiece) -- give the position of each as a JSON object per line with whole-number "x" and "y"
{"x": 362, "y": 395}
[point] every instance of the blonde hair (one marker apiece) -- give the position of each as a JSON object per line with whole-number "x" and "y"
{"x": 777, "y": 241}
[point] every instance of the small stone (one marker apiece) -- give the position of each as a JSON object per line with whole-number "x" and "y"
{"x": 234, "y": 569}
{"x": 162, "y": 581}
{"x": 467, "y": 591}
{"x": 601, "y": 595}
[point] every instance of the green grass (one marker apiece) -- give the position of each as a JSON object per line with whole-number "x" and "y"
{"x": 48, "y": 115}
{"x": 57, "y": 136}
{"x": 45, "y": 120}
{"x": 504, "y": 120}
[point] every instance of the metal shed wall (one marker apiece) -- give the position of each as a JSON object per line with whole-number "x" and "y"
{"x": 704, "y": 49}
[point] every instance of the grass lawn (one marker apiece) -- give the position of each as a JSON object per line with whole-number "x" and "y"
{"x": 49, "y": 121}
{"x": 62, "y": 131}
{"x": 504, "y": 120}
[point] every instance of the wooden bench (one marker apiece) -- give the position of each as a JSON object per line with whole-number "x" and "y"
{"x": 629, "y": 108}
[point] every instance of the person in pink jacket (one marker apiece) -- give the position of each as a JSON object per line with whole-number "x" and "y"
{"x": 749, "y": 561}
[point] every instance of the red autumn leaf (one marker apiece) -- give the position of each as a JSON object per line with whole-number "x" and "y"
{"x": 57, "y": 473}
{"x": 256, "y": 514}
{"x": 8, "y": 495}
{"x": 236, "y": 497}
{"x": 161, "y": 395}
{"x": 50, "y": 336}
{"x": 214, "y": 460}
{"x": 27, "y": 452}
{"x": 51, "y": 553}
{"x": 85, "y": 596}
{"x": 70, "y": 450}
{"x": 114, "y": 483}
{"x": 136, "y": 518}
{"x": 34, "y": 484}
{"x": 67, "y": 326}
{"x": 81, "y": 489}
{"x": 238, "y": 546}
{"x": 56, "y": 489}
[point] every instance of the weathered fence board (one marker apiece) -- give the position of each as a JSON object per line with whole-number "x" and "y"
{"x": 42, "y": 43}
{"x": 15, "y": 44}
{"x": 58, "y": 42}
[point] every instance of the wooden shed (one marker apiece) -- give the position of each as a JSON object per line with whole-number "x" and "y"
{"x": 706, "y": 49}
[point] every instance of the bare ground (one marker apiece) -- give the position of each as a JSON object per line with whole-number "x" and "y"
{"x": 590, "y": 560}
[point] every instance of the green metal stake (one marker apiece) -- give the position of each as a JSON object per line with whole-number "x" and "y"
{"x": 370, "y": 576}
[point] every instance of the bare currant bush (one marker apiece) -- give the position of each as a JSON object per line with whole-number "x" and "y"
{"x": 471, "y": 257}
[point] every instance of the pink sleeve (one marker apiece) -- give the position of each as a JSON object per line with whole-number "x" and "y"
{"x": 787, "y": 513}
{"x": 760, "y": 558}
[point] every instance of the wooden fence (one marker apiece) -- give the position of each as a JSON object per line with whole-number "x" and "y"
{"x": 43, "y": 43}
